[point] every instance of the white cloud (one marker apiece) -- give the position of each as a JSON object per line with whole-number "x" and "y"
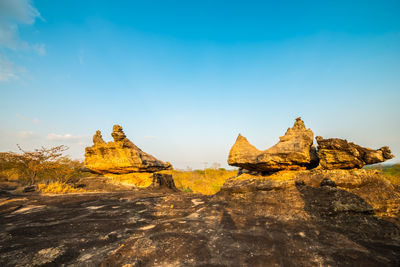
{"x": 61, "y": 137}
{"x": 8, "y": 70}
{"x": 12, "y": 14}
{"x": 26, "y": 135}
{"x": 80, "y": 139}
{"x": 40, "y": 49}
{"x": 8, "y": 35}
{"x": 35, "y": 120}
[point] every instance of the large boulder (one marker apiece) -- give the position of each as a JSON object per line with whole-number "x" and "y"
{"x": 120, "y": 156}
{"x": 294, "y": 151}
{"x": 335, "y": 153}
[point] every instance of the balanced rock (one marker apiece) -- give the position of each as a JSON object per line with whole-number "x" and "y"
{"x": 294, "y": 151}
{"x": 335, "y": 153}
{"x": 120, "y": 156}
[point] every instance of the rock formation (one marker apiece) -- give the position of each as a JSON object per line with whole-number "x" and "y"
{"x": 335, "y": 153}
{"x": 294, "y": 151}
{"x": 120, "y": 156}
{"x": 98, "y": 139}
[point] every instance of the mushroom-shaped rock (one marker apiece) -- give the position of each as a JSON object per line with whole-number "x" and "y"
{"x": 120, "y": 156}
{"x": 335, "y": 153}
{"x": 294, "y": 151}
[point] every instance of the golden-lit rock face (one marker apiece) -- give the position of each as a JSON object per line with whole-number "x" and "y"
{"x": 294, "y": 151}
{"x": 335, "y": 153}
{"x": 375, "y": 193}
{"x": 120, "y": 156}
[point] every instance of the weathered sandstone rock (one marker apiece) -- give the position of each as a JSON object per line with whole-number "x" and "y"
{"x": 369, "y": 185}
{"x": 98, "y": 139}
{"x": 120, "y": 156}
{"x": 294, "y": 151}
{"x": 285, "y": 219}
{"x": 335, "y": 153}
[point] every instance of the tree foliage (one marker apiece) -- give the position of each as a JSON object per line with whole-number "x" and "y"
{"x": 43, "y": 164}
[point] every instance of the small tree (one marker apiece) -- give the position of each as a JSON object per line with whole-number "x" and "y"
{"x": 40, "y": 164}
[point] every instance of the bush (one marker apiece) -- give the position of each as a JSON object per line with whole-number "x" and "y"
{"x": 44, "y": 165}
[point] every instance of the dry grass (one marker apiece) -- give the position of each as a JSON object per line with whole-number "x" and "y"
{"x": 394, "y": 179}
{"x": 207, "y": 182}
{"x": 390, "y": 172}
{"x": 10, "y": 174}
{"x": 136, "y": 179}
{"x": 57, "y": 188}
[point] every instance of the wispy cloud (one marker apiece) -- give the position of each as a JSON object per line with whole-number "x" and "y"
{"x": 40, "y": 49}
{"x": 12, "y": 14}
{"x": 8, "y": 70}
{"x": 61, "y": 137}
{"x": 26, "y": 135}
{"x": 34, "y": 120}
{"x": 66, "y": 137}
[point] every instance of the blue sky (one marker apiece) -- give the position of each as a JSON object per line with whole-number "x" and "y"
{"x": 183, "y": 78}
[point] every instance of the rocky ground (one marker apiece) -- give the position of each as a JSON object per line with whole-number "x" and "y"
{"x": 303, "y": 218}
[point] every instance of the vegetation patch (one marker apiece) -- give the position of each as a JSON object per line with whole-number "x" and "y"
{"x": 138, "y": 179}
{"x": 57, "y": 188}
{"x": 390, "y": 172}
{"x": 207, "y": 181}
{"x": 45, "y": 168}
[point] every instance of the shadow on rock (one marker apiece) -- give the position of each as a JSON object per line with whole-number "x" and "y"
{"x": 376, "y": 241}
